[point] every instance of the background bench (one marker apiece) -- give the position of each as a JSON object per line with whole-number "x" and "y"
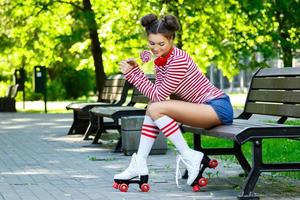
{"x": 272, "y": 92}
{"x": 116, "y": 113}
{"x": 8, "y": 103}
{"x": 114, "y": 94}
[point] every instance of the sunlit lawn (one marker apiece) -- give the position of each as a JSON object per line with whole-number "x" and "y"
{"x": 39, "y": 107}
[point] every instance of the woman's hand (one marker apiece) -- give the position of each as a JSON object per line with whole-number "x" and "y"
{"x": 127, "y": 65}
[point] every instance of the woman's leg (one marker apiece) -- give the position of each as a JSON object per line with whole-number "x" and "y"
{"x": 138, "y": 164}
{"x": 198, "y": 115}
{"x": 149, "y": 133}
{"x": 166, "y": 114}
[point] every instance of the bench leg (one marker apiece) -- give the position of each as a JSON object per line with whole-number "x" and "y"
{"x": 118, "y": 148}
{"x": 255, "y": 172}
{"x": 79, "y": 125}
{"x": 88, "y": 132}
{"x": 241, "y": 158}
{"x": 197, "y": 142}
{"x": 99, "y": 130}
{"x": 71, "y": 131}
{"x": 92, "y": 125}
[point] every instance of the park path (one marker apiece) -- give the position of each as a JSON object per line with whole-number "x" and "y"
{"x": 38, "y": 161}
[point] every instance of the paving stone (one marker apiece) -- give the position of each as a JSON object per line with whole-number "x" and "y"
{"x": 38, "y": 160}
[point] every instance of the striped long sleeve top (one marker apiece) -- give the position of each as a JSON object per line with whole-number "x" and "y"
{"x": 180, "y": 76}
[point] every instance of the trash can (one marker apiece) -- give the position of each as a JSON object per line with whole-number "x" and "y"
{"x": 40, "y": 79}
{"x": 131, "y": 132}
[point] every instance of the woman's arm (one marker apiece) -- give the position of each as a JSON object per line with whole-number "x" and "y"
{"x": 175, "y": 72}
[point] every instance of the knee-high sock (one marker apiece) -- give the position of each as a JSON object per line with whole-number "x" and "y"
{"x": 148, "y": 135}
{"x": 172, "y": 131}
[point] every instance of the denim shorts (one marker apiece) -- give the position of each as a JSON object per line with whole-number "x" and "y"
{"x": 223, "y": 108}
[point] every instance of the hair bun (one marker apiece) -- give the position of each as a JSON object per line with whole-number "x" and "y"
{"x": 148, "y": 19}
{"x": 171, "y": 22}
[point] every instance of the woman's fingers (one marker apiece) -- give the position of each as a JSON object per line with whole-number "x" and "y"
{"x": 125, "y": 67}
{"x": 131, "y": 62}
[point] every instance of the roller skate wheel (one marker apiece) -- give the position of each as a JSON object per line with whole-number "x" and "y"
{"x": 196, "y": 188}
{"x": 115, "y": 185}
{"x": 213, "y": 163}
{"x": 123, "y": 187}
{"x": 145, "y": 187}
{"x": 203, "y": 182}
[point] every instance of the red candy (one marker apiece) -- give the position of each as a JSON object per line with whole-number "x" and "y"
{"x": 145, "y": 56}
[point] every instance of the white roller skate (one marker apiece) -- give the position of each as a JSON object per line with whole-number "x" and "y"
{"x": 137, "y": 172}
{"x": 193, "y": 161}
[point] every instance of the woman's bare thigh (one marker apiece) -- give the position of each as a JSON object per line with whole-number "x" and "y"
{"x": 198, "y": 115}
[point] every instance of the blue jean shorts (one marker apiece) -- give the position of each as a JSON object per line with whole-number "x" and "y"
{"x": 223, "y": 108}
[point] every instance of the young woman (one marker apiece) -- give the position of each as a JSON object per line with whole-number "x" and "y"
{"x": 201, "y": 105}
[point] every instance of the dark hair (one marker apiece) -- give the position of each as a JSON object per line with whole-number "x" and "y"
{"x": 166, "y": 26}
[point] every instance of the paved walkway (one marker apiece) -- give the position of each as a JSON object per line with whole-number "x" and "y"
{"x": 39, "y": 161}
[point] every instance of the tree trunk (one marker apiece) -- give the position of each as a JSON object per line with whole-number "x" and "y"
{"x": 95, "y": 46}
{"x": 287, "y": 57}
{"x": 286, "y": 46}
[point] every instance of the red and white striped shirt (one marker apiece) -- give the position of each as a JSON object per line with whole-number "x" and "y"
{"x": 180, "y": 76}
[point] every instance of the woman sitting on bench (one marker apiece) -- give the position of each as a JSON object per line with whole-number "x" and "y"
{"x": 201, "y": 105}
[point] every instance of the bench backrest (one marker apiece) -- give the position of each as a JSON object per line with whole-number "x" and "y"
{"x": 138, "y": 97}
{"x": 12, "y": 91}
{"x": 274, "y": 91}
{"x": 115, "y": 89}
{"x": 8, "y": 91}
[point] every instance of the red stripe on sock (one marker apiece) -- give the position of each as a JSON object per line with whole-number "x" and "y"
{"x": 170, "y": 128}
{"x": 150, "y": 136}
{"x": 150, "y": 132}
{"x": 150, "y": 126}
{"x": 167, "y": 126}
{"x": 167, "y": 135}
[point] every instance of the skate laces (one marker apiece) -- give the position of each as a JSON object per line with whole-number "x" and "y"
{"x": 178, "y": 174}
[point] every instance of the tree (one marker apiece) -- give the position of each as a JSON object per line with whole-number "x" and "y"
{"x": 95, "y": 46}
{"x": 280, "y": 20}
{"x": 26, "y": 22}
{"x": 70, "y": 36}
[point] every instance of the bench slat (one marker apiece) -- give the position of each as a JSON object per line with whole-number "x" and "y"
{"x": 113, "y": 112}
{"x": 273, "y": 109}
{"x": 80, "y": 106}
{"x": 114, "y": 82}
{"x": 244, "y": 130}
{"x": 117, "y": 90}
{"x": 140, "y": 99}
{"x": 274, "y": 96}
{"x": 291, "y": 83}
{"x": 111, "y": 97}
{"x": 287, "y": 71}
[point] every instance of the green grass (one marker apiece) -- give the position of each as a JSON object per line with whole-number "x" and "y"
{"x": 274, "y": 150}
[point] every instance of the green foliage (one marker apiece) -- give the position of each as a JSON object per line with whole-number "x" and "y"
{"x": 228, "y": 34}
{"x": 77, "y": 83}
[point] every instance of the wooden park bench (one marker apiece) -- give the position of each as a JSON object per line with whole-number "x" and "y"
{"x": 273, "y": 92}
{"x": 8, "y": 102}
{"x": 114, "y": 93}
{"x": 115, "y": 113}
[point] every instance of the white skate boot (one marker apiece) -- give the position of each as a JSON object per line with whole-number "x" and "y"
{"x": 137, "y": 172}
{"x": 192, "y": 160}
